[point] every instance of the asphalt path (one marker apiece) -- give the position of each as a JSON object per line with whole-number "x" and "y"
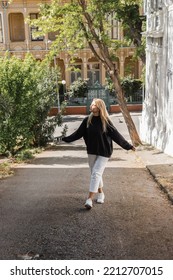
{"x": 42, "y": 213}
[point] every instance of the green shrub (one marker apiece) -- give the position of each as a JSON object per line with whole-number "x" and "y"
{"x": 27, "y": 92}
{"x": 24, "y": 155}
{"x": 5, "y": 170}
{"x": 132, "y": 88}
{"x": 79, "y": 88}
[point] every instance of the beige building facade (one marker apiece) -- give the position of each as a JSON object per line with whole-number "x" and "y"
{"x": 16, "y": 37}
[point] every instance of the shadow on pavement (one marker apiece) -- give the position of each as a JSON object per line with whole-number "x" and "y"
{"x": 71, "y": 148}
{"x": 66, "y": 160}
{"x": 73, "y": 118}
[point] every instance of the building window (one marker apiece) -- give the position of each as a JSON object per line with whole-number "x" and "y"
{"x": 17, "y": 29}
{"x": 1, "y": 31}
{"x": 34, "y": 29}
{"x": 93, "y": 73}
{"x": 114, "y": 29}
{"x": 113, "y": 33}
{"x": 76, "y": 72}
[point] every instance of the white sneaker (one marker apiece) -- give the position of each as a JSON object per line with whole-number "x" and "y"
{"x": 100, "y": 197}
{"x": 88, "y": 203}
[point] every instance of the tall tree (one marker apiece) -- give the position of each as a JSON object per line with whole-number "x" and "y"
{"x": 86, "y": 22}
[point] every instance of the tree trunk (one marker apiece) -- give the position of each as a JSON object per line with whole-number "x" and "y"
{"x": 123, "y": 106}
{"x": 103, "y": 55}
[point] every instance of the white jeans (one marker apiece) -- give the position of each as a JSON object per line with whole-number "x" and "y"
{"x": 97, "y": 165}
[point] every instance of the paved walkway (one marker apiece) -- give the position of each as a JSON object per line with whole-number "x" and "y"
{"x": 159, "y": 164}
{"x": 42, "y": 207}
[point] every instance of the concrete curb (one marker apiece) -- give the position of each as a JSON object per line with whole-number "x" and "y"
{"x": 163, "y": 175}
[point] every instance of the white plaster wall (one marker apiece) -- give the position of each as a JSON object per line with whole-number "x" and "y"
{"x": 168, "y": 145}
{"x": 156, "y": 126}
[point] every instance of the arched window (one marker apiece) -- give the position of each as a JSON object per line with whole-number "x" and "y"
{"x": 93, "y": 72}
{"x": 17, "y": 30}
{"x": 76, "y": 72}
{"x": 131, "y": 67}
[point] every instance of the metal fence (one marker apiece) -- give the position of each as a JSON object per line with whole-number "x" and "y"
{"x": 98, "y": 91}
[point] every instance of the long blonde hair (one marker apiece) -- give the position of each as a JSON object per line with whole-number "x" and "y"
{"x": 103, "y": 113}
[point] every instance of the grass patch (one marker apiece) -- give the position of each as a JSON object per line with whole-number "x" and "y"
{"x": 21, "y": 157}
{"x": 5, "y": 170}
{"x": 26, "y": 155}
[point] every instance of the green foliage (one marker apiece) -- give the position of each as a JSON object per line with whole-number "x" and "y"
{"x": 65, "y": 129}
{"x": 27, "y": 92}
{"x": 110, "y": 86}
{"x": 24, "y": 155}
{"x": 5, "y": 170}
{"x": 132, "y": 88}
{"x": 77, "y": 23}
{"x": 128, "y": 13}
{"x": 79, "y": 88}
{"x": 80, "y": 24}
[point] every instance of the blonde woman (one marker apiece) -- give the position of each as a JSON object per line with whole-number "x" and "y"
{"x": 98, "y": 133}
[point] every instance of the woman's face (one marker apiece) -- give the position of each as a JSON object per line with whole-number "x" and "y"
{"x": 94, "y": 109}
